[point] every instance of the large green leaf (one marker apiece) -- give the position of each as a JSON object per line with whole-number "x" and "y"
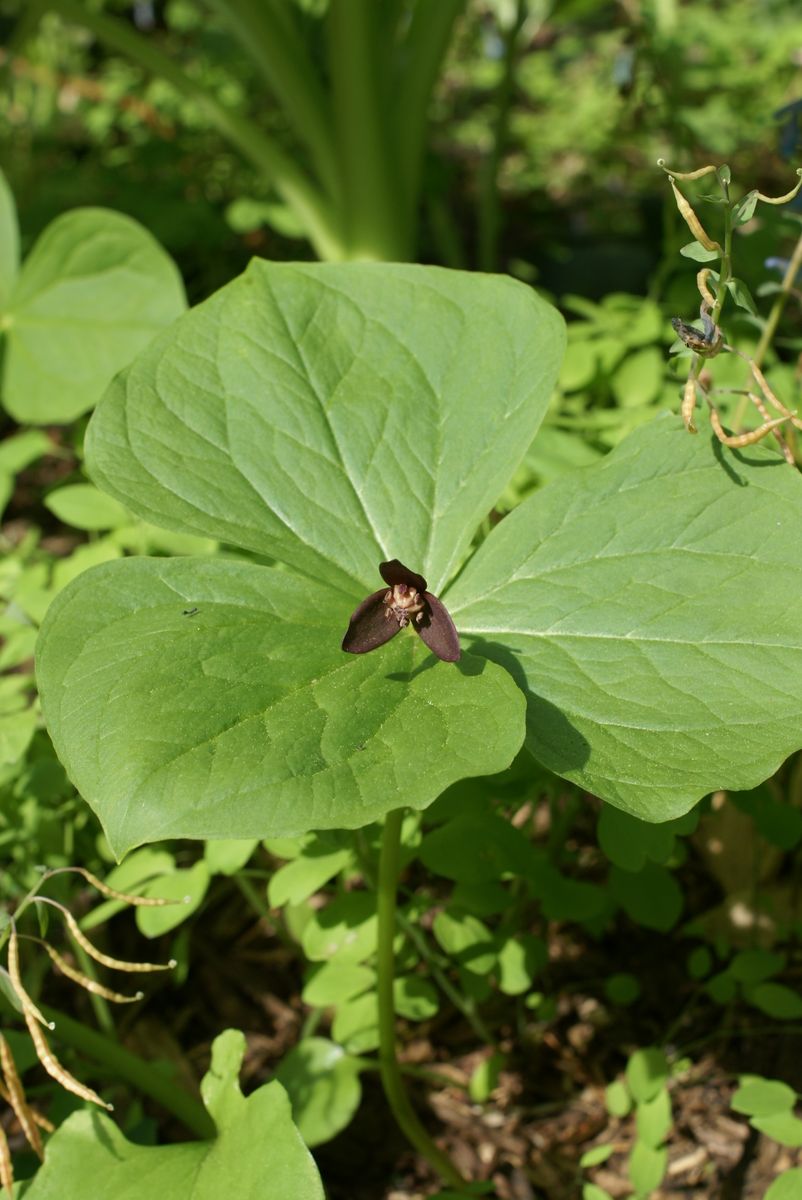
{"x": 257, "y": 1151}
{"x": 649, "y": 606}
{"x": 333, "y": 416}
{"x": 93, "y": 292}
{"x": 244, "y": 718}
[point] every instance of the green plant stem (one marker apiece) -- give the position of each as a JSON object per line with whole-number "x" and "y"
{"x": 139, "y": 1074}
{"x": 374, "y": 221}
{"x": 489, "y": 208}
{"x": 464, "y": 1003}
{"x": 772, "y": 321}
{"x": 292, "y": 184}
{"x": 254, "y": 897}
{"x": 392, "y": 1082}
{"x": 417, "y": 68}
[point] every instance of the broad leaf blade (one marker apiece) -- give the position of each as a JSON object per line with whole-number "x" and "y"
{"x": 256, "y": 1141}
{"x": 650, "y": 608}
{"x": 244, "y": 718}
{"x": 333, "y": 416}
{"x": 93, "y": 292}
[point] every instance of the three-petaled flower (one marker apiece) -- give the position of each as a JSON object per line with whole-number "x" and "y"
{"x": 405, "y": 601}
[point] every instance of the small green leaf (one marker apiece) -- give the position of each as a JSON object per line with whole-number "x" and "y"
{"x": 647, "y": 1167}
{"x": 228, "y": 856}
{"x": 745, "y": 209}
{"x": 763, "y": 1097}
{"x": 336, "y": 982}
{"x": 356, "y": 1024}
{"x": 477, "y": 848}
{"x": 784, "y": 1127}
{"x": 753, "y": 966}
{"x": 301, "y": 878}
{"x": 322, "y": 1082}
{"x": 639, "y": 378}
{"x": 485, "y": 1076}
{"x": 622, "y": 988}
{"x": 93, "y": 292}
{"x": 653, "y": 1119}
{"x": 652, "y": 897}
{"x": 697, "y": 252}
{"x": 520, "y": 958}
{"x": 188, "y": 888}
{"x": 721, "y": 987}
{"x": 617, "y": 1099}
{"x": 21, "y": 449}
{"x": 482, "y": 899}
{"x": 787, "y": 1186}
{"x": 85, "y": 507}
{"x": 646, "y": 1073}
{"x": 466, "y": 939}
{"x": 592, "y": 1191}
{"x": 629, "y": 842}
{"x": 700, "y": 962}
{"x": 346, "y": 928}
{"x": 415, "y": 997}
{"x": 596, "y": 1155}
{"x": 741, "y": 295}
{"x": 776, "y": 1000}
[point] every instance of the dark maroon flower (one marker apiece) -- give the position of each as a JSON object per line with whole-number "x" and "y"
{"x": 403, "y": 602}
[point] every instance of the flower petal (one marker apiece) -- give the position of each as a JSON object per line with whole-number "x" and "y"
{"x": 438, "y": 630}
{"x": 369, "y": 627}
{"x": 394, "y": 572}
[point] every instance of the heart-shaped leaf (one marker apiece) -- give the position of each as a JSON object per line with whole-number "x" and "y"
{"x": 210, "y": 698}
{"x": 333, "y": 416}
{"x": 649, "y": 606}
{"x": 92, "y": 293}
{"x": 256, "y": 1141}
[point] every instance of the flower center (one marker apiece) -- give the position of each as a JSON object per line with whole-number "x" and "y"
{"x": 403, "y": 602}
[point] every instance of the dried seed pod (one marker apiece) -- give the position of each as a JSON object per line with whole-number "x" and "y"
{"x": 116, "y": 964}
{"x": 16, "y": 1097}
{"x": 736, "y": 440}
{"x": 6, "y": 1169}
{"x": 691, "y": 220}
{"x": 112, "y": 893}
{"x": 689, "y": 404}
{"x": 697, "y": 174}
{"x": 84, "y": 981}
{"x": 28, "y": 1005}
{"x": 55, "y": 1069}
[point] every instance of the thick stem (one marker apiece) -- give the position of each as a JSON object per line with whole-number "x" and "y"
{"x": 392, "y": 1082}
{"x": 374, "y": 219}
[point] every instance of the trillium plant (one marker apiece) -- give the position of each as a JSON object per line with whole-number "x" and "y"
{"x": 633, "y": 627}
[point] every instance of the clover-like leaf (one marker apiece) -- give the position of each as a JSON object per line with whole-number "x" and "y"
{"x": 649, "y": 606}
